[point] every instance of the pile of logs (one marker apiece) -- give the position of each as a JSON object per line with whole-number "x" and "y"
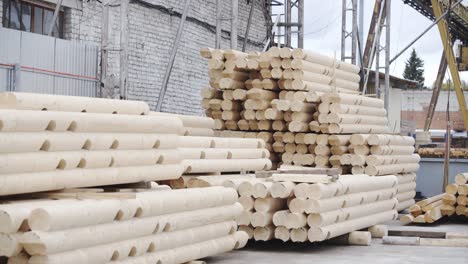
{"x": 461, "y": 153}
{"x": 168, "y": 226}
{"x": 193, "y": 125}
{"x": 216, "y": 154}
{"x": 60, "y": 144}
{"x": 301, "y": 207}
{"x": 275, "y": 91}
{"x": 348, "y": 114}
{"x": 453, "y": 202}
{"x": 309, "y": 107}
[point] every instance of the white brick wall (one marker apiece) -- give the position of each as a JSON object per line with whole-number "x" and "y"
{"x": 416, "y": 100}
{"x": 152, "y": 31}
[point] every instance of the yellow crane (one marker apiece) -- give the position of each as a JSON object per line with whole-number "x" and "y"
{"x": 457, "y": 29}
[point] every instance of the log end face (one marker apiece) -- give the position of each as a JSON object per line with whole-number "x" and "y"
{"x": 39, "y": 220}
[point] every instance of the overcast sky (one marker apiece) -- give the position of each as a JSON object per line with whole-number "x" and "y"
{"x": 322, "y": 32}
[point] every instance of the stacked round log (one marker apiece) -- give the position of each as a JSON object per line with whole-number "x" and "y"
{"x": 380, "y": 154}
{"x": 351, "y": 114}
{"x": 341, "y": 152}
{"x": 216, "y": 154}
{"x": 301, "y": 212}
{"x": 453, "y": 202}
{"x": 59, "y": 103}
{"x": 83, "y": 144}
{"x": 193, "y": 125}
{"x": 276, "y": 91}
{"x": 351, "y": 203}
{"x": 259, "y": 198}
{"x": 175, "y": 226}
{"x": 266, "y": 136}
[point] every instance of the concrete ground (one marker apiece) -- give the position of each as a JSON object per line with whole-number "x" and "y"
{"x": 273, "y": 252}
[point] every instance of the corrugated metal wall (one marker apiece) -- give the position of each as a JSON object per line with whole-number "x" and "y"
{"x": 48, "y": 65}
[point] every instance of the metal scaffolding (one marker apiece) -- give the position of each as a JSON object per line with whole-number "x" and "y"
{"x": 290, "y": 17}
{"x": 349, "y": 31}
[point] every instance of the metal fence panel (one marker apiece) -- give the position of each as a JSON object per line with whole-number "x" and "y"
{"x": 48, "y": 65}
{"x": 37, "y": 52}
{"x": 9, "y": 54}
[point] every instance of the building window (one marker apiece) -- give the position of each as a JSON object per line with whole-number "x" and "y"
{"x": 32, "y": 16}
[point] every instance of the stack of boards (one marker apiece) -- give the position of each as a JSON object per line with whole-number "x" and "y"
{"x": 310, "y": 105}
{"x": 290, "y": 206}
{"x": 51, "y": 143}
{"x": 453, "y": 202}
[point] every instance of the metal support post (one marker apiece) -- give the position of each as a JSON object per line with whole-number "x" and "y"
{"x": 349, "y": 33}
{"x": 343, "y": 29}
{"x": 436, "y": 91}
{"x": 288, "y": 20}
{"x": 234, "y": 22}
{"x": 249, "y": 23}
{"x": 123, "y": 48}
{"x": 388, "y": 4}
{"x": 17, "y": 78}
{"x": 374, "y": 48}
{"x": 105, "y": 91}
{"x": 175, "y": 47}
{"x": 300, "y": 14}
{"x": 218, "y": 24}
{"x": 54, "y": 18}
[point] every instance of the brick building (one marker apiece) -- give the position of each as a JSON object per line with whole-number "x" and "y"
{"x": 415, "y": 103}
{"x": 152, "y": 26}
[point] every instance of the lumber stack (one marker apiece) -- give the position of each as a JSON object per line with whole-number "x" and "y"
{"x": 311, "y": 113}
{"x": 342, "y": 113}
{"x": 453, "y": 202}
{"x": 380, "y": 154}
{"x": 61, "y": 142}
{"x": 300, "y": 206}
{"x": 204, "y": 153}
{"x": 351, "y": 203}
{"x": 193, "y": 125}
{"x": 461, "y": 153}
{"x": 210, "y": 156}
{"x": 274, "y": 92}
{"x": 157, "y": 226}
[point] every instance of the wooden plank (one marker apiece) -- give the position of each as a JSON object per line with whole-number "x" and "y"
{"x": 437, "y": 242}
{"x": 453, "y": 235}
{"x": 401, "y": 240}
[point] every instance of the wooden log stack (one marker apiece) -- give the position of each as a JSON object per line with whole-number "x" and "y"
{"x": 51, "y": 143}
{"x": 342, "y": 113}
{"x": 312, "y": 109}
{"x": 158, "y": 225}
{"x": 453, "y": 202}
{"x": 301, "y": 210}
{"x": 269, "y": 92}
{"x": 60, "y": 142}
{"x": 193, "y": 125}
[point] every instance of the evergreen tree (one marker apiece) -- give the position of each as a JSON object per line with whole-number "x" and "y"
{"x": 414, "y": 69}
